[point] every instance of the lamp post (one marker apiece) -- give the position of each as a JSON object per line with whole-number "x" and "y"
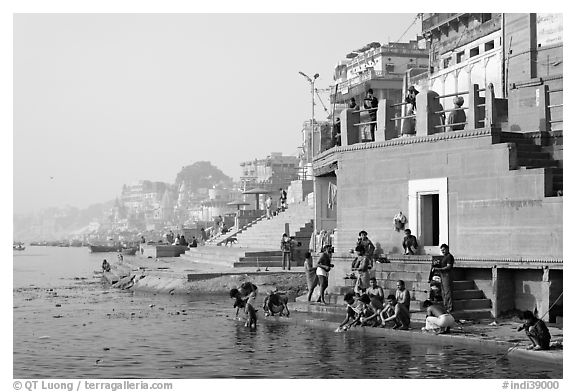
{"x": 311, "y": 81}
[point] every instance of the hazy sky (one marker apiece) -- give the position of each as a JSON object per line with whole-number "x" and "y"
{"x": 106, "y": 99}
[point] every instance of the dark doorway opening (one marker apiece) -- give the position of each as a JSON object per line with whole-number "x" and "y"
{"x": 429, "y": 219}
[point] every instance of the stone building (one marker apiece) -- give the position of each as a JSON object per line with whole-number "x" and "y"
{"x": 492, "y": 191}
{"x": 273, "y": 172}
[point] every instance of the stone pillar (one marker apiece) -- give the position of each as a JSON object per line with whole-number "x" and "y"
{"x": 326, "y": 140}
{"x": 475, "y": 111}
{"x": 350, "y": 133}
{"x": 495, "y": 304}
{"x": 490, "y": 107}
{"x": 427, "y": 104}
{"x": 542, "y": 103}
{"x": 386, "y": 128}
{"x": 545, "y": 302}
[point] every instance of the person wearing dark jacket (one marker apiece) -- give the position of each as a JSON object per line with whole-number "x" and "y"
{"x": 371, "y": 103}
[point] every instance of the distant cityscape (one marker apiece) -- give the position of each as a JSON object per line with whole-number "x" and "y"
{"x": 200, "y": 193}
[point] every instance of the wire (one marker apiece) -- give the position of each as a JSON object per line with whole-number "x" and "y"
{"x": 411, "y": 24}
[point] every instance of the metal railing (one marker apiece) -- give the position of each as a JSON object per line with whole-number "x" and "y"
{"x": 559, "y": 105}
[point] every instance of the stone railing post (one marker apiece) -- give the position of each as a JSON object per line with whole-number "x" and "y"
{"x": 495, "y": 282}
{"x": 490, "y": 107}
{"x": 427, "y": 104}
{"x": 542, "y": 103}
{"x": 349, "y": 133}
{"x": 475, "y": 111}
{"x": 385, "y": 127}
{"x": 545, "y": 304}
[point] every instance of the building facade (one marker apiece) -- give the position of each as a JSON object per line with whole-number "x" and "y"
{"x": 273, "y": 172}
{"x": 492, "y": 191}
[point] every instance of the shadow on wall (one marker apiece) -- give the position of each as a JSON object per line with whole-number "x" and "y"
{"x": 527, "y": 301}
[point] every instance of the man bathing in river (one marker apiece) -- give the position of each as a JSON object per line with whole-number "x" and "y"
{"x": 276, "y": 304}
{"x": 437, "y": 318}
{"x": 246, "y": 298}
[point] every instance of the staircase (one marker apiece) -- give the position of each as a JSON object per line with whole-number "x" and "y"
{"x": 532, "y": 156}
{"x": 267, "y": 233}
{"x": 469, "y": 302}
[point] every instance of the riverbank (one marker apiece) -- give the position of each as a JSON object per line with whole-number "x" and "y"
{"x": 176, "y": 275}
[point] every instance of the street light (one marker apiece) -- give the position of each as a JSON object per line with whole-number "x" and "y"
{"x": 311, "y": 81}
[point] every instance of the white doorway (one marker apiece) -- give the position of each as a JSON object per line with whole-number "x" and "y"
{"x": 428, "y": 212}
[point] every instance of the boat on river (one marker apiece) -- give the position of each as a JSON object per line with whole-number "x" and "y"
{"x": 18, "y": 246}
{"x": 129, "y": 251}
{"x": 104, "y": 248}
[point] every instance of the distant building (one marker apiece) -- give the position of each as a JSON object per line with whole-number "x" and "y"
{"x": 142, "y": 195}
{"x": 273, "y": 172}
{"x": 379, "y": 67}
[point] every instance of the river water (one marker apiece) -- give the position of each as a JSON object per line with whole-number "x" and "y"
{"x": 68, "y": 324}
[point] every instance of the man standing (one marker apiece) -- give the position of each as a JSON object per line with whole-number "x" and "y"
{"x": 285, "y": 247}
{"x": 446, "y": 270}
{"x": 283, "y": 197}
{"x": 269, "y": 207}
{"x": 371, "y": 103}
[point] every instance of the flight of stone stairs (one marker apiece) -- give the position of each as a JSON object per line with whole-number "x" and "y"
{"x": 266, "y": 234}
{"x": 533, "y": 156}
{"x": 258, "y": 245}
{"x": 235, "y": 257}
{"x": 469, "y": 302}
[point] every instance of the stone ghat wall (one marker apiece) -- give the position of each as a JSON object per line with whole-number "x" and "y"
{"x": 492, "y": 210}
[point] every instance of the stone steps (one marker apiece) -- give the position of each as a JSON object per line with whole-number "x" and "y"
{"x": 268, "y": 232}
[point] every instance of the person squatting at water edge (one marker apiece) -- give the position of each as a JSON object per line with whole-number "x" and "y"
{"x": 401, "y": 316}
{"x": 437, "y": 318}
{"x": 361, "y": 264}
{"x": 536, "y": 330}
{"x": 245, "y": 297}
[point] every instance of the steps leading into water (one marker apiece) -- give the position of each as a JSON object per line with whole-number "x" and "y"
{"x": 469, "y": 302}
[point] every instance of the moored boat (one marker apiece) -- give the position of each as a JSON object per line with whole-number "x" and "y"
{"x": 129, "y": 251}
{"x": 103, "y": 248}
